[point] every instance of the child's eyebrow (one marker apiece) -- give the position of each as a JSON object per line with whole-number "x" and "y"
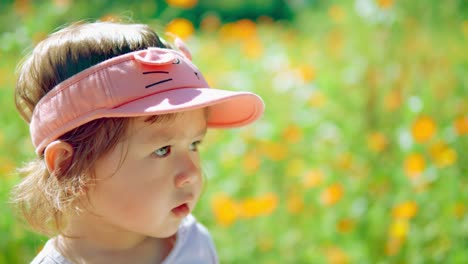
{"x": 165, "y": 137}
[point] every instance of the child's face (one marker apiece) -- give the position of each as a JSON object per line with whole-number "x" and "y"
{"x": 149, "y": 182}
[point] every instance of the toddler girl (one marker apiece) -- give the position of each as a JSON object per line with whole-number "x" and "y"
{"x": 116, "y": 117}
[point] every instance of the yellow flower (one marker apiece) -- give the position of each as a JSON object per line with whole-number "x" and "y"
{"x": 414, "y": 165}
{"x": 253, "y": 48}
{"x": 465, "y": 27}
{"x": 336, "y": 13}
{"x": 295, "y": 167}
{"x": 313, "y": 178}
{"x": 307, "y": 72}
{"x": 377, "y": 142}
{"x": 344, "y": 161}
{"x": 224, "y": 209}
{"x": 332, "y": 194}
{"x": 317, "y": 99}
{"x": 423, "y": 129}
{"x": 335, "y": 42}
{"x": 7, "y": 166}
{"x": 405, "y": 210}
{"x": 399, "y": 229}
{"x": 180, "y": 27}
{"x": 182, "y": 3}
{"x": 442, "y": 155}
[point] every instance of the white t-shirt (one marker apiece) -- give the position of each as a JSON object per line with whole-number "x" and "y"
{"x": 193, "y": 245}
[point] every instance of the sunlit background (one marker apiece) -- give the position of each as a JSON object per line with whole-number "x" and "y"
{"x": 361, "y": 156}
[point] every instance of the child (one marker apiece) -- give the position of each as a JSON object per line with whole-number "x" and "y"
{"x": 116, "y": 117}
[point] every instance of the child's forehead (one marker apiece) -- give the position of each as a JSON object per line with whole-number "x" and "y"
{"x": 182, "y": 124}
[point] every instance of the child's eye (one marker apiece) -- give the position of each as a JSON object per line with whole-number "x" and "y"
{"x": 162, "y": 152}
{"x": 194, "y": 145}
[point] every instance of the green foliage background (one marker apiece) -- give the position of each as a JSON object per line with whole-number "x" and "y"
{"x": 371, "y": 67}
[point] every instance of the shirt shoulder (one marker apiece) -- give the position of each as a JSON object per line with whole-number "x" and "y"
{"x": 49, "y": 255}
{"x": 193, "y": 245}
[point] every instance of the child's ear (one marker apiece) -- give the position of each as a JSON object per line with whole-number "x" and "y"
{"x": 58, "y": 156}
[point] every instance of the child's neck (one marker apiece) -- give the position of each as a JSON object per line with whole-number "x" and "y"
{"x": 90, "y": 243}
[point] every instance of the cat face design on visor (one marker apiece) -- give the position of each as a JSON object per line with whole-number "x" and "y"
{"x": 152, "y": 57}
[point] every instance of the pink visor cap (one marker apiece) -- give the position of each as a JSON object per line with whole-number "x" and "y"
{"x": 153, "y": 81}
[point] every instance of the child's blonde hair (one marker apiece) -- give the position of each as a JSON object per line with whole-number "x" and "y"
{"x": 42, "y": 197}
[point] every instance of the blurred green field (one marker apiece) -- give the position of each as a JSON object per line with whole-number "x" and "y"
{"x": 361, "y": 156}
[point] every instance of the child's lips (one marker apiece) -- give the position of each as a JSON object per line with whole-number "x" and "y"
{"x": 181, "y": 210}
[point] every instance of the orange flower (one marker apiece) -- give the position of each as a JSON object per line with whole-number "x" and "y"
{"x": 274, "y": 151}
{"x": 336, "y": 255}
{"x": 385, "y": 4}
{"x": 313, "y": 178}
{"x": 393, "y": 100}
{"x": 251, "y": 162}
{"x": 295, "y": 203}
{"x": 240, "y": 30}
{"x": 265, "y": 243}
{"x": 292, "y": 134}
{"x": 442, "y": 155}
{"x": 253, "y": 207}
{"x": 182, "y": 3}
{"x": 461, "y": 125}
{"x": 62, "y": 3}
{"x": 459, "y": 210}
{"x": 345, "y": 225}
{"x": 405, "y": 210}
{"x": 423, "y": 129}
{"x": 224, "y": 209}
{"x": 377, "y": 142}
{"x": 332, "y": 194}
{"x": 393, "y": 246}
{"x": 181, "y": 27}
{"x": 110, "y": 18}
{"x": 22, "y": 7}
{"x": 210, "y": 23}
{"x": 414, "y": 165}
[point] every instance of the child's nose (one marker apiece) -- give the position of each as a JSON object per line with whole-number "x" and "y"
{"x": 189, "y": 171}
